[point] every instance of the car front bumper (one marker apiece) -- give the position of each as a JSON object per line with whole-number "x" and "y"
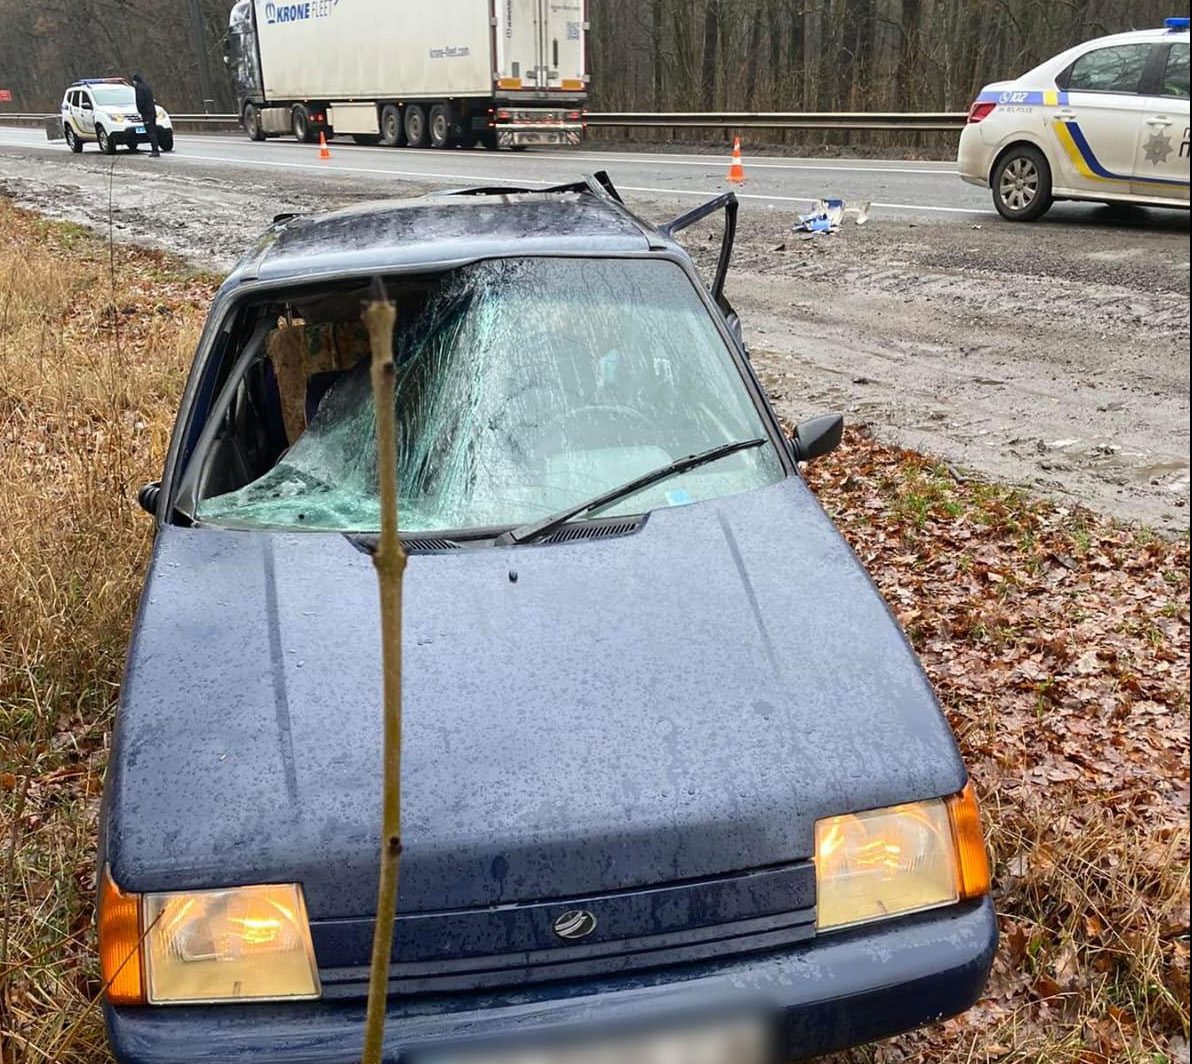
{"x": 128, "y": 135}
{"x": 843, "y": 989}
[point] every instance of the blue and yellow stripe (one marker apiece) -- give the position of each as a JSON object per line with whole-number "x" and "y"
{"x": 1078, "y": 149}
{"x": 1022, "y": 98}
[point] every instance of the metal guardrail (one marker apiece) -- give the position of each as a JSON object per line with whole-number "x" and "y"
{"x": 929, "y": 121}
{"x": 933, "y": 121}
{"x": 202, "y": 121}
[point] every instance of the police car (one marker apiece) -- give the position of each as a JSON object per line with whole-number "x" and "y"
{"x": 104, "y": 110}
{"x": 1106, "y": 120}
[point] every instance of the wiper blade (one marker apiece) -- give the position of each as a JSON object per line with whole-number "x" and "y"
{"x": 537, "y": 529}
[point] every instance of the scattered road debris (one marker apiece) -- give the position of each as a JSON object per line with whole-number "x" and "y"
{"x": 828, "y": 215}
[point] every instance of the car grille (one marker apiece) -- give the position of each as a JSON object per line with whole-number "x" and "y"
{"x": 685, "y": 923}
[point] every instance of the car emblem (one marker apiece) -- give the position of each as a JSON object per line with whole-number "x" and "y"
{"x": 575, "y": 923}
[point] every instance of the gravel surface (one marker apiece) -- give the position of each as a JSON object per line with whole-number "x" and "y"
{"x": 1052, "y": 355}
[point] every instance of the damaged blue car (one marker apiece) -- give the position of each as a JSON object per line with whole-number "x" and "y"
{"x": 675, "y": 786}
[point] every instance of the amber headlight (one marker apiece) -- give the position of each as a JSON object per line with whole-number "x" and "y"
{"x": 886, "y": 862}
{"x": 240, "y": 944}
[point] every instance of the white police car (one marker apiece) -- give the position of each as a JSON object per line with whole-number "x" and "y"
{"x": 104, "y": 110}
{"x": 1106, "y": 120}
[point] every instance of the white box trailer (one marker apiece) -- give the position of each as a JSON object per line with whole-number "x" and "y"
{"x": 437, "y": 73}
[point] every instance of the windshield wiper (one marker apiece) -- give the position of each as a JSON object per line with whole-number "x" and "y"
{"x": 537, "y": 529}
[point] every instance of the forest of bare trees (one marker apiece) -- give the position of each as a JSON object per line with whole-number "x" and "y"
{"x": 833, "y": 55}
{"x": 767, "y": 55}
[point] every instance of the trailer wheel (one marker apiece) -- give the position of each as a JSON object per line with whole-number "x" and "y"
{"x": 301, "y": 124}
{"x": 252, "y": 122}
{"x": 392, "y": 131}
{"x": 416, "y": 133}
{"x": 440, "y": 126}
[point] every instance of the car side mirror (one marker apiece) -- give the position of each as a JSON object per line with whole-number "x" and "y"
{"x": 147, "y": 497}
{"x": 817, "y": 437}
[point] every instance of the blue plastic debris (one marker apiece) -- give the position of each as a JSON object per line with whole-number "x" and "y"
{"x": 827, "y": 215}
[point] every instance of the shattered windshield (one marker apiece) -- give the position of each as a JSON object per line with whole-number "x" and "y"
{"x": 524, "y": 386}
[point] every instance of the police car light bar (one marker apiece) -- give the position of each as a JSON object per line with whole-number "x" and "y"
{"x": 101, "y": 81}
{"x": 1177, "y": 24}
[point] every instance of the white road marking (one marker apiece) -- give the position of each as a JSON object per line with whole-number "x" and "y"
{"x": 761, "y": 162}
{"x": 711, "y": 162}
{"x": 332, "y": 167}
{"x": 758, "y": 163}
{"x": 325, "y": 167}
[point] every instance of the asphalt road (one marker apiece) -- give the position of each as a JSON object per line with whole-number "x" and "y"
{"x": 913, "y": 189}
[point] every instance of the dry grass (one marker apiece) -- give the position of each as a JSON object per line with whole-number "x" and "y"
{"x": 90, "y": 373}
{"x": 1082, "y": 761}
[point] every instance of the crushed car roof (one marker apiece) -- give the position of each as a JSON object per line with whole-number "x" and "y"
{"x": 583, "y": 219}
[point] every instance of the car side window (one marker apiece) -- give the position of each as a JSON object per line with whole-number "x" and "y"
{"x": 85, "y": 102}
{"x": 1175, "y": 74}
{"x": 1116, "y": 69}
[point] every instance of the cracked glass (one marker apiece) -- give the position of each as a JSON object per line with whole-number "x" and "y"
{"x": 524, "y": 386}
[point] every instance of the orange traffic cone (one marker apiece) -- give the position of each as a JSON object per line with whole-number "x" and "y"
{"x": 736, "y": 172}
{"x": 324, "y": 151}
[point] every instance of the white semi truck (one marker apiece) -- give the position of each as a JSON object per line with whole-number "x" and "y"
{"x": 422, "y": 73}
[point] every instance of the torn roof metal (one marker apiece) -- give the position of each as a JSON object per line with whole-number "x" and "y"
{"x": 581, "y": 219}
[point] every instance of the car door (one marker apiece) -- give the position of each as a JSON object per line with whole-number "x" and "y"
{"x": 1097, "y": 121}
{"x": 86, "y": 113}
{"x": 725, "y": 204}
{"x": 1161, "y": 168}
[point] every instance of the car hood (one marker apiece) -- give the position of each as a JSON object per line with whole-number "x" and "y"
{"x": 677, "y": 703}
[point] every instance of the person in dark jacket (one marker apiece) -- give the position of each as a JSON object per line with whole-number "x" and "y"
{"x": 148, "y": 109}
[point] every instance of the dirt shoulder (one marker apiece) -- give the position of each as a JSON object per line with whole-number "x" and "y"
{"x": 1053, "y": 356}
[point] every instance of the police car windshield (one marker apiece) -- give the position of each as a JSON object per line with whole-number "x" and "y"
{"x": 114, "y": 95}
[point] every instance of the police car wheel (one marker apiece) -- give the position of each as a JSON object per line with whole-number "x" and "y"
{"x": 1022, "y": 184}
{"x": 72, "y": 141}
{"x": 106, "y": 144}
